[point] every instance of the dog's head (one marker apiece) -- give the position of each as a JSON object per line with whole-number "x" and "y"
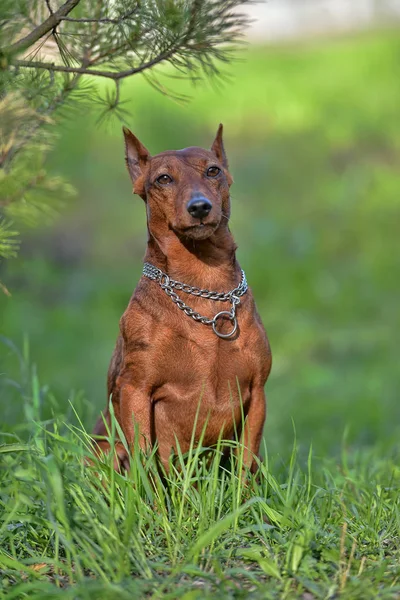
{"x": 187, "y": 190}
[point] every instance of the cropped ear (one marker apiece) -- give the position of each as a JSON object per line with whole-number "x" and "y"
{"x": 218, "y": 147}
{"x": 136, "y": 158}
{"x": 219, "y": 151}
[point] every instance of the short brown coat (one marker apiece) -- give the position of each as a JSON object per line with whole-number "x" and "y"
{"x": 167, "y": 368}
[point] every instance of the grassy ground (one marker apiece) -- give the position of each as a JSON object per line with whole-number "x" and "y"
{"x": 313, "y": 137}
{"x": 328, "y": 530}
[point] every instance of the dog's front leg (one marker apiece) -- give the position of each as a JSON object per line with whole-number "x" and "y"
{"x": 253, "y": 427}
{"x": 135, "y": 415}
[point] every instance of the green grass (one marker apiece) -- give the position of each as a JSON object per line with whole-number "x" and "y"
{"x": 329, "y": 529}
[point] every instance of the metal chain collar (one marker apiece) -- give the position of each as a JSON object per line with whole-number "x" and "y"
{"x": 168, "y": 285}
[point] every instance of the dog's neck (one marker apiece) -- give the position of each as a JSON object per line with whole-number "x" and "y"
{"x": 209, "y": 263}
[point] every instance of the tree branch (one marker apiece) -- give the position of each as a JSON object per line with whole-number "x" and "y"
{"x": 42, "y": 29}
{"x": 115, "y": 75}
{"x": 102, "y": 20}
{"x": 28, "y": 186}
{"x": 36, "y": 125}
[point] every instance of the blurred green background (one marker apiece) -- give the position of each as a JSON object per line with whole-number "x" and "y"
{"x": 312, "y": 132}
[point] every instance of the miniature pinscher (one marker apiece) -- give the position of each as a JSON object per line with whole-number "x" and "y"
{"x": 192, "y": 350}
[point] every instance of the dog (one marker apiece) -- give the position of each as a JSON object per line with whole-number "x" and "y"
{"x": 192, "y": 353}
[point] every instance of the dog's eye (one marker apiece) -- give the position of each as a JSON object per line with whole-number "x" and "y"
{"x": 164, "y": 179}
{"x": 213, "y": 171}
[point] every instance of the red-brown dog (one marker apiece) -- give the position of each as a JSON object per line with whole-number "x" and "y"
{"x": 191, "y": 337}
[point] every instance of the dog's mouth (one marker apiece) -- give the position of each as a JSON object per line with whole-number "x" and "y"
{"x": 198, "y": 231}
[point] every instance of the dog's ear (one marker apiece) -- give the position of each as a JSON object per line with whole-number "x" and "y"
{"x": 137, "y": 158}
{"x": 219, "y": 151}
{"x": 218, "y": 147}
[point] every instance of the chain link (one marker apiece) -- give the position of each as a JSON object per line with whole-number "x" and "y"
{"x": 168, "y": 285}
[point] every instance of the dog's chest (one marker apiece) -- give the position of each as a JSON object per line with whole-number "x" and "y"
{"x": 185, "y": 355}
{"x": 204, "y": 381}
{"x": 194, "y": 358}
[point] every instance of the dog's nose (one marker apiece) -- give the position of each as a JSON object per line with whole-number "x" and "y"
{"x": 199, "y": 207}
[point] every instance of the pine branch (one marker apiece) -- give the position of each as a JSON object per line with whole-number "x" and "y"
{"x": 8, "y": 242}
{"x": 104, "y": 20}
{"x": 35, "y": 125}
{"x": 122, "y": 74}
{"x": 29, "y": 185}
{"x": 42, "y": 29}
{"x": 115, "y": 75}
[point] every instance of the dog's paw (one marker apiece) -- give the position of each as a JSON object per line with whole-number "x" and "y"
{"x": 121, "y": 460}
{"x": 255, "y": 465}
